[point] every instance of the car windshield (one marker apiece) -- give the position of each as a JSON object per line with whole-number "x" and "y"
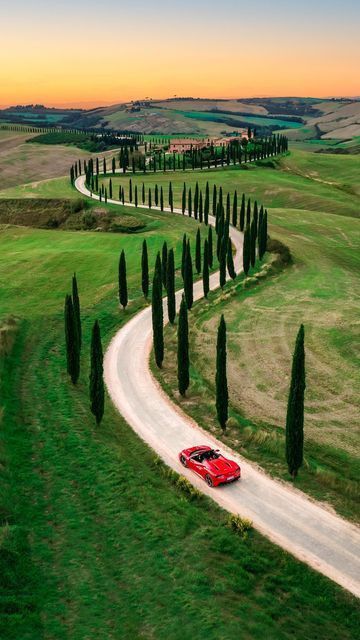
{"x": 206, "y": 455}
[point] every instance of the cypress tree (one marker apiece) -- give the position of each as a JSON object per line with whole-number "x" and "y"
{"x": 248, "y": 212}
{"x": 200, "y": 206}
{"x": 164, "y": 257}
{"x": 123, "y": 292}
{"x": 256, "y": 218}
{"x": 214, "y": 201}
{"x": 196, "y": 201}
{"x": 252, "y": 243}
{"x": 183, "y": 349}
{"x": 143, "y": 193}
{"x": 156, "y": 196}
{"x": 230, "y": 261}
{"x": 76, "y": 307}
{"x": 198, "y": 252}
{"x": 97, "y": 392}
{"x": 234, "y": 210}
{"x": 222, "y": 262}
{"x": 110, "y": 189}
{"x": 189, "y": 203}
{"x": 71, "y": 341}
{"x": 149, "y": 199}
{"x": 145, "y": 270}
{"x": 188, "y": 277}
{"x": 161, "y": 199}
{"x": 183, "y": 256}
{"x": 183, "y": 199}
{"x": 246, "y": 250}
{"x": 207, "y": 204}
{"x": 206, "y": 269}
{"x": 242, "y": 212}
{"x": 295, "y": 408}
{"x": 210, "y": 248}
{"x": 171, "y": 198}
{"x": 228, "y": 207}
{"x": 157, "y": 314}
{"x": 130, "y": 191}
{"x": 170, "y": 286}
{"x": 136, "y": 196}
{"x": 222, "y": 394}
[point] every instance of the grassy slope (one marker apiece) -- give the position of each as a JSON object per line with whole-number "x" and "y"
{"x": 114, "y": 550}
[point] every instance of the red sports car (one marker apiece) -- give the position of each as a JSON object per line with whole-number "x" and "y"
{"x": 210, "y": 465}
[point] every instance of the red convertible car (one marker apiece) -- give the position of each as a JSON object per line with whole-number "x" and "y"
{"x": 210, "y": 465}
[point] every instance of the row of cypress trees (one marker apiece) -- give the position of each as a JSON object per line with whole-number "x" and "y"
{"x": 73, "y": 342}
{"x": 233, "y": 153}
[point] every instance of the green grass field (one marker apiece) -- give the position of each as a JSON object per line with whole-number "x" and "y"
{"x": 99, "y": 543}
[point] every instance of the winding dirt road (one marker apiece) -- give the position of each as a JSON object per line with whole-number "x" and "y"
{"x": 286, "y": 516}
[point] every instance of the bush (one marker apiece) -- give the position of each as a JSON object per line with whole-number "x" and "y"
{"x": 239, "y": 525}
{"x": 180, "y": 482}
{"x": 88, "y": 220}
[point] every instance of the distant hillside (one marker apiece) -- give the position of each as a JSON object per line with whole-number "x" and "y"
{"x": 302, "y": 118}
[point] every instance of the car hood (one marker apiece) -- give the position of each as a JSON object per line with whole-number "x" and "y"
{"x": 221, "y": 466}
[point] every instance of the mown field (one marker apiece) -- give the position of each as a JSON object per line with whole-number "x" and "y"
{"x": 96, "y": 541}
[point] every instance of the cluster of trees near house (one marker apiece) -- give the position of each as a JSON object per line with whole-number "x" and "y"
{"x": 128, "y": 160}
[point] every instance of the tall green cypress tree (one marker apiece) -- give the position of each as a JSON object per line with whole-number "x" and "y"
{"x": 164, "y": 257}
{"x": 246, "y": 250}
{"x": 183, "y": 199}
{"x": 183, "y": 349}
{"x": 222, "y": 262}
{"x": 234, "y": 210}
{"x": 136, "y": 196}
{"x": 149, "y": 199}
{"x": 248, "y": 212}
{"x": 207, "y": 204}
{"x": 157, "y": 314}
{"x": 71, "y": 341}
{"x": 188, "y": 277}
{"x": 170, "y": 286}
{"x": 242, "y": 212}
{"x": 214, "y": 201}
{"x": 161, "y": 199}
{"x": 130, "y": 191}
{"x": 228, "y": 207}
{"x": 222, "y": 394}
{"x": 171, "y": 198}
{"x": 230, "y": 260}
{"x": 200, "y": 206}
{"x": 97, "y": 391}
{"x": 252, "y": 243}
{"x": 189, "y": 203}
{"x": 295, "y": 408}
{"x": 183, "y": 255}
{"x": 123, "y": 292}
{"x": 143, "y": 193}
{"x": 76, "y": 307}
{"x": 196, "y": 201}
{"x": 206, "y": 279}
{"x": 256, "y": 218}
{"x": 198, "y": 252}
{"x": 210, "y": 248}
{"x": 156, "y": 196}
{"x": 145, "y": 270}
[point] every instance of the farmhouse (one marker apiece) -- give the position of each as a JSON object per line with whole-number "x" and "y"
{"x": 180, "y": 145}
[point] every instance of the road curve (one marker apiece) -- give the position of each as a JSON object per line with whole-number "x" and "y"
{"x": 285, "y": 515}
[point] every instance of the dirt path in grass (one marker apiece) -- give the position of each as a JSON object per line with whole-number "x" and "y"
{"x": 286, "y": 516}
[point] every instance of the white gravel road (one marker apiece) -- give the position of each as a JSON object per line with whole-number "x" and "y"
{"x": 286, "y": 516}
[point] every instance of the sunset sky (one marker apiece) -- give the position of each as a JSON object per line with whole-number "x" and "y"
{"x": 92, "y": 53}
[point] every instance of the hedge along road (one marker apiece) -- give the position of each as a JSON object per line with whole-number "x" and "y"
{"x": 285, "y": 515}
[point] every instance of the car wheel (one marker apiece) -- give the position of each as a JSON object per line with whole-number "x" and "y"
{"x": 209, "y": 481}
{"x": 183, "y": 461}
